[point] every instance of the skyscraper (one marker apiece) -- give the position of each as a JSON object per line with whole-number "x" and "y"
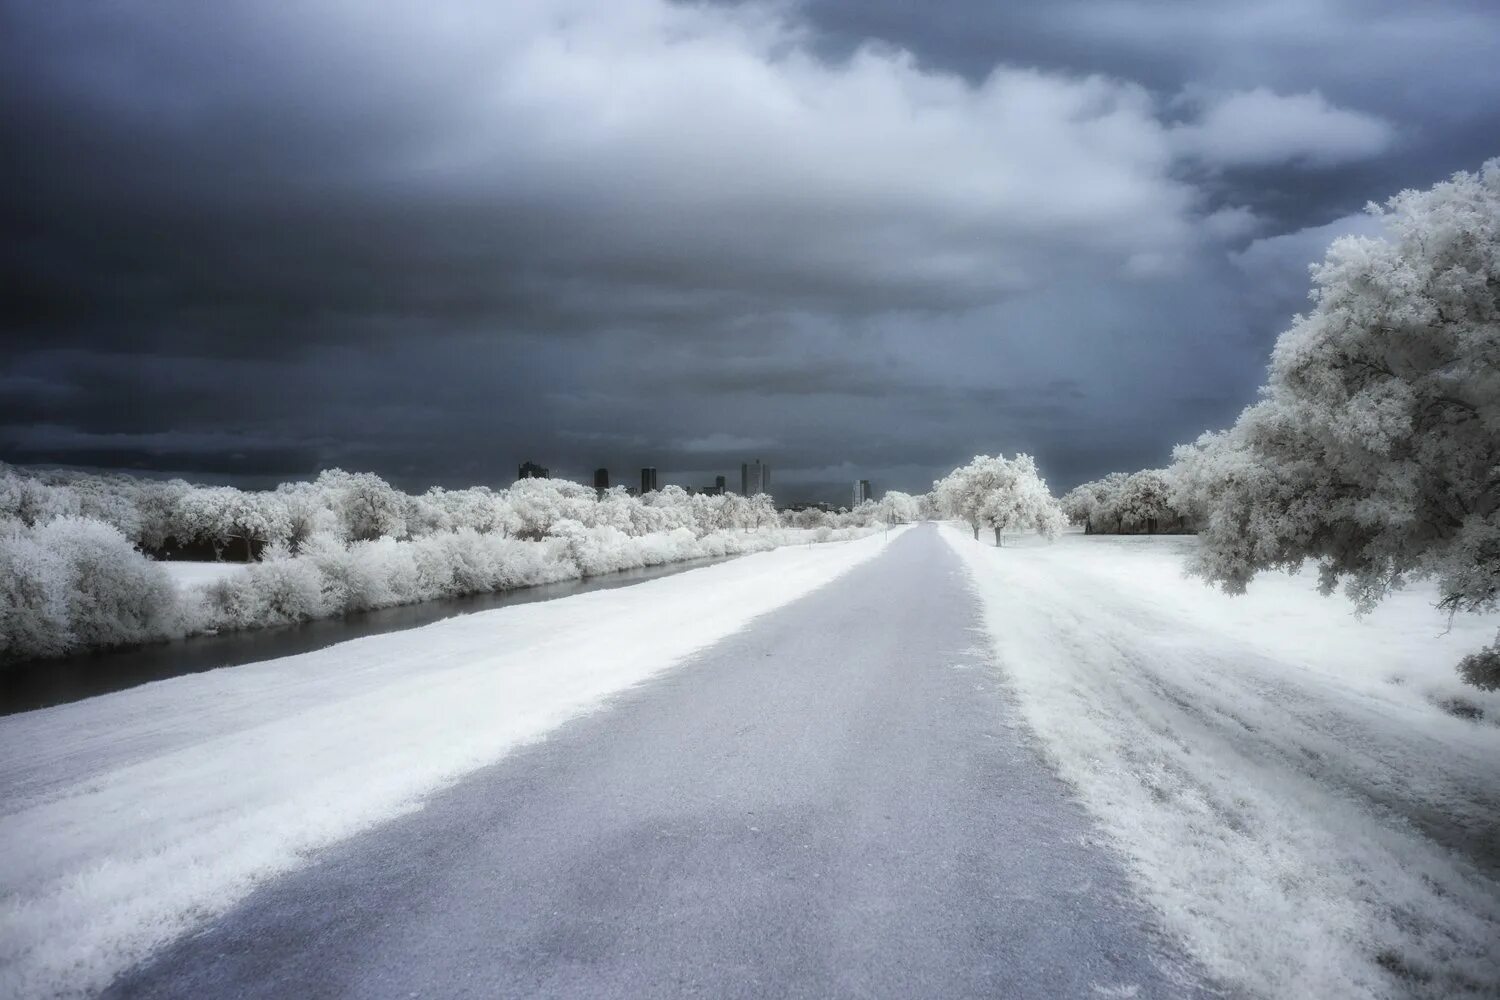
{"x": 648, "y": 481}
{"x": 755, "y": 477}
{"x": 530, "y": 470}
{"x": 861, "y": 491}
{"x": 601, "y": 480}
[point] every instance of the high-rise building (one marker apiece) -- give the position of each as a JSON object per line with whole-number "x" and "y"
{"x": 720, "y": 484}
{"x": 755, "y": 477}
{"x": 601, "y": 479}
{"x": 530, "y": 470}
{"x": 861, "y": 491}
{"x": 648, "y": 481}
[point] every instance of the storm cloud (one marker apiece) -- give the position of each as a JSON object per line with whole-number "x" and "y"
{"x": 859, "y": 240}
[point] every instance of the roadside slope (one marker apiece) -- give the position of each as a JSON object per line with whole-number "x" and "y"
{"x": 1290, "y": 798}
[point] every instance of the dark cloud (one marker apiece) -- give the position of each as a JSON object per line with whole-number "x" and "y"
{"x": 857, "y": 238}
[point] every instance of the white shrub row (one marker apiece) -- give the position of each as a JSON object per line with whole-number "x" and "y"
{"x": 74, "y": 583}
{"x": 330, "y": 578}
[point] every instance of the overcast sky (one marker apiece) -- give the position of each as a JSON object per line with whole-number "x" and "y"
{"x": 245, "y": 241}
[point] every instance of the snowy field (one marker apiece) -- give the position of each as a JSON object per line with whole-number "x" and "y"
{"x": 129, "y": 819}
{"x": 185, "y": 575}
{"x": 1307, "y": 798}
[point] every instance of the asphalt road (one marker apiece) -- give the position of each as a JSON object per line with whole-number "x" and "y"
{"x": 838, "y": 801}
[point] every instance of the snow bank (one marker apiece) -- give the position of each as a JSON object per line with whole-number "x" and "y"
{"x": 1290, "y": 785}
{"x": 129, "y": 819}
{"x": 186, "y": 575}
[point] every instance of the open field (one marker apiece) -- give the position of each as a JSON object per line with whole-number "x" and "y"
{"x": 1309, "y": 799}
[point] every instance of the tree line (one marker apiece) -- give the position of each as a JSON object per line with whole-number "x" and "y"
{"x": 81, "y": 553}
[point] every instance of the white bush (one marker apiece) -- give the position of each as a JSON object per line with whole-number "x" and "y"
{"x": 76, "y": 583}
{"x": 33, "y": 597}
{"x": 115, "y": 594}
{"x": 280, "y": 590}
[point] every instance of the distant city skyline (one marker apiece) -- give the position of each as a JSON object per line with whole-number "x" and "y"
{"x": 755, "y": 478}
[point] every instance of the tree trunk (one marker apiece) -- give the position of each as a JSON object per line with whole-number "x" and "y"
{"x": 997, "y": 536}
{"x": 975, "y": 526}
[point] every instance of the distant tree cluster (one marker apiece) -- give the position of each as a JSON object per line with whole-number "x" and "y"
{"x": 77, "y": 568}
{"x": 1142, "y": 502}
{"x": 1000, "y": 494}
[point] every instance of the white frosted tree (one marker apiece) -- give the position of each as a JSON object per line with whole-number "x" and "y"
{"x": 1126, "y": 502}
{"x": 223, "y": 515}
{"x": 760, "y": 512}
{"x": 1003, "y": 495}
{"x": 368, "y": 506}
{"x": 1144, "y": 501}
{"x": 612, "y": 510}
{"x": 963, "y": 492}
{"x": 1096, "y": 504}
{"x": 1374, "y": 450}
{"x": 158, "y": 504}
{"x": 899, "y": 508}
{"x": 33, "y": 502}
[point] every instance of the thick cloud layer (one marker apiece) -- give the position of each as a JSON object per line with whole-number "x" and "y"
{"x": 248, "y": 240}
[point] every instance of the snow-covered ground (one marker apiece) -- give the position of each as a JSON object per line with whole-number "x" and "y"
{"x": 1290, "y": 785}
{"x": 201, "y": 574}
{"x": 126, "y": 820}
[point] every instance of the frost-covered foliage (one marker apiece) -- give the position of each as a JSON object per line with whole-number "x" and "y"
{"x": 330, "y": 577}
{"x": 899, "y": 508}
{"x": 166, "y": 518}
{"x": 367, "y": 506}
{"x": 1001, "y": 494}
{"x": 73, "y": 574}
{"x": 32, "y": 501}
{"x": 223, "y": 515}
{"x": 1128, "y": 503}
{"x": 77, "y": 583}
{"x": 1375, "y": 448}
{"x": 1482, "y": 669}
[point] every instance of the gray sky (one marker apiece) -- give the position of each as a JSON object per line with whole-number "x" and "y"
{"x": 856, "y": 238}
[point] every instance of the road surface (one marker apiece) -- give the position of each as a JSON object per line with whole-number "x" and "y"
{"x": 837, "y": 801}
